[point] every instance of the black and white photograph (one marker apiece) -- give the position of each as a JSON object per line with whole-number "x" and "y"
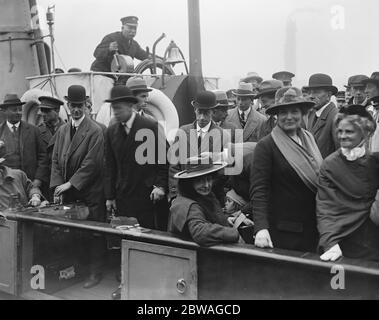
{"x": 188, "y": 155}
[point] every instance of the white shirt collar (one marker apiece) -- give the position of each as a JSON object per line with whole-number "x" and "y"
{"x": 77, "y": 123}
{"x": 247, "y": 112}
{"x": 205, "y": 129}
{"x": 354, "y": 154}
{"x": 130, "y": 122}
{"x": 321, "y": 110}
{"x": 10, "y": 126}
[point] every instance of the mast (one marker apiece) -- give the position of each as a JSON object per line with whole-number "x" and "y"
{"x": 195, "y": 65}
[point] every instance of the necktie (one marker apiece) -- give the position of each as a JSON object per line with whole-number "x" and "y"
{"x": 199, "y": 138}
{"x": 127, "y": 130}
{"x": 243, "y": 120}
{"x": 14, "y": 128}
{"x": 73, "y": 131}
{"x": 314, "y": 121}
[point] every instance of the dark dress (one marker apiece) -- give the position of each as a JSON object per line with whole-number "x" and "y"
{"x": 282, "y": 203}
{"x": 201, "y": 220}
{"x": 346, "y": 192}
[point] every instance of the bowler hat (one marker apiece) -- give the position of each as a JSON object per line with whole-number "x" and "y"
{"x": 373, "y": 79}
{"x": 199, "y": 166}
{"x": 50, "y": 102}
{"x": 244, "y": 90}
{"x": 322, "y": 81}
{"x": 356, "y": 81}
{"x": 222, "y": 99}
{"x": 269, "y": 87}
{"x": 283, "y": 76}
{"x": 137, "y": 84}
{"x": 289, "y": 97}
{"x": 130, "y": 21}
{"x": 11, "y": 99}
{"x": 252, "y": 76}
{"x": 205, "y": 100}
{"x": 121, "y": 93}
{"x": 76, "y": 94}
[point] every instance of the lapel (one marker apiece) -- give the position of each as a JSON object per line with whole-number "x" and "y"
{"x": 78, "y": 137}
{"x": 24, "y": 137}
{"x": 321, "y": 121}
{"x": 251, "y": 124}
{"x": 235, "y": 118}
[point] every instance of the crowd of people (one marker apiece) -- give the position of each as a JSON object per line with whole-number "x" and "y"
{"x": 308, "y": 178}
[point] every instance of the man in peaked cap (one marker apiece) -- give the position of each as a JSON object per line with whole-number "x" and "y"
{"x": 285, "y": 77}
{"x": 122, "y": 42}
{"x": 357, "y": 88}
{"x": 24, "y": 147}
{"x": 321, "y": 118}
{"x": 244, "y": 116}
{"x": 266, "y": 96}
{"x": 49, "y": 109}
{"x": 77, "y": 173}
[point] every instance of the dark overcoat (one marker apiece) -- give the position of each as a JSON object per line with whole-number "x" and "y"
{"x": 80, "y": 162}
{"x": 32, "y": 151}
{"x": 282, "y": 203}
{"x": 128, "y": 182}
{"x": 324, "y": 130}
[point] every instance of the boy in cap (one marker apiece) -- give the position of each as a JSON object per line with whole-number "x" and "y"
{"x": 122, "y": 42}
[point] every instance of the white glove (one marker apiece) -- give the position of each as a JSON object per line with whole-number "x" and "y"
{"x": 263, "y": 239}
{"x": 332, "y": 254}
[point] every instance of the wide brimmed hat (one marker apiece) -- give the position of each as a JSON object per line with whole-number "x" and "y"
{"x": 356, "y": 81}
{"x": 199, "y": 166}
{"x": 373, "y": 79}
{"x": 322, "y": 81}
{"x": 244, "y": 90}
{"x": 222, "y": 99}
{"x": 252, "y": 76}
{"x": 137, "y": 84}
{"x": 76, "y": 94}
{"x": 10, "y": 100}
{"x": 289, "y": 97}
{"x": 121, "y": 93}
{"x": 130, "y": 21}
{"x": 269, "y": 87}
{"x": 284, "y": 76}
{"x": 50, "y": 102}
{"x": 205, "y": 100}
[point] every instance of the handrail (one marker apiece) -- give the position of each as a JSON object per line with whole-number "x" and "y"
{"x": 278, "y": 255}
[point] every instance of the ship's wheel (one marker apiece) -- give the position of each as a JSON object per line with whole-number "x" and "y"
{"x": 147, "y": 67}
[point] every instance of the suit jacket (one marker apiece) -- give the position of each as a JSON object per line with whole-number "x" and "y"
{"x": 129, "y": 182}
{"x": 253, "y": 124}
{"x": 324, "y": 130}
{"x": 217, "y": 145}
{"x": 227, "y": 125}
{"x": 32, "y": 151}
{"x": 282, "y": 203}
{"x": 79, "y": 161}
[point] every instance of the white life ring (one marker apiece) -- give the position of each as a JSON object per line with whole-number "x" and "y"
{"x": 158, "y": 105}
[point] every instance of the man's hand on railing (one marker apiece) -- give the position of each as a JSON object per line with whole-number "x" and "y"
{"x": 111, "y": 205}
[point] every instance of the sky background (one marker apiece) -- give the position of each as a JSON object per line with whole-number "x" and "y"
{"x": 237, "y": 36}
